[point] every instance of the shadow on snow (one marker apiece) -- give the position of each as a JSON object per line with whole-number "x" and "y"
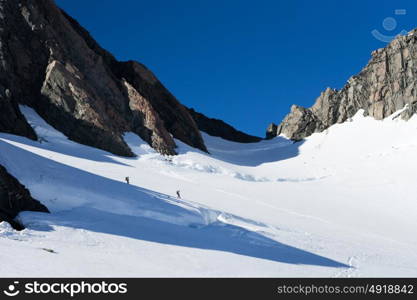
{"x": 111, "y": 206}
{"x": 254, "y": 154}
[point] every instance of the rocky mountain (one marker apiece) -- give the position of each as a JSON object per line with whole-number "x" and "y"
{"x": 49, "y": 62}
{"x": 215, "y": 127}
{"x": 11, "y": 119}
{"x": 52, "y": 64}
{"x": 386, "y": 85}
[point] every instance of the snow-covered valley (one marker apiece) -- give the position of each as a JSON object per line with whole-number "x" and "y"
{"x": 338, "y": 204}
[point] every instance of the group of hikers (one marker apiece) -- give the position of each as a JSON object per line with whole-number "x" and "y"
{"x": 127, "y": 179}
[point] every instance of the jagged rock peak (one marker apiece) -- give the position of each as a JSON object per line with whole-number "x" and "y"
{"x": 387, "y": 84}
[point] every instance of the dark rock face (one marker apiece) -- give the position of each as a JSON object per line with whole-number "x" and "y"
{"x": 11, "y": 119}
{"x": 387, "y": 84}
{"x": 49, "y": 62}
{"x": 271, "y": 131}
{"x": 14, "y": 198}
{"x": 221, "y": 129}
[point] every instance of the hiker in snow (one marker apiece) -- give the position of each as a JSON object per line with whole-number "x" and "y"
{"x": 178, "y": 195}
{"x": 127, "y": 179}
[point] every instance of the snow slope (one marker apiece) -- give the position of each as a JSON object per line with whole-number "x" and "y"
{"x": 339, "y": 204}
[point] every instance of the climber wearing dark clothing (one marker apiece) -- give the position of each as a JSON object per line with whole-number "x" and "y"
{"x": 178, "y": 195}
{"x": 127, "y": 180}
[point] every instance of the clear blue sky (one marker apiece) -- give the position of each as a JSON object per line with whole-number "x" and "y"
{"x": 245, "y": 62}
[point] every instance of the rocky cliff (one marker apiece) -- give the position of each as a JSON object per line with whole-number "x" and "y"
{"x": 49, "y": 62}
{"x": 215, "y": 127}
{"x": 387, "y": 84}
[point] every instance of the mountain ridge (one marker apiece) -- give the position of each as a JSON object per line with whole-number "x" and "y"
{"x": 219, "y": 128}
{"x": 388, "y": 83}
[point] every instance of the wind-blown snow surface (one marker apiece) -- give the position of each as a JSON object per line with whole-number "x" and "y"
{"x": 341, "y": 203}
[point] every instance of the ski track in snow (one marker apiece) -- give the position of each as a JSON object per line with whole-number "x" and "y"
{"x": 274, "y": 208}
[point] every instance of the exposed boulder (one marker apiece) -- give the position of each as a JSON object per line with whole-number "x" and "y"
{"x": 386, "y": 85}
{"x": 15, "y": 198}
{"x": 271, "y": 131}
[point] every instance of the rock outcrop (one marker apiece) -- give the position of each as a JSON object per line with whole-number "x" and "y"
{"x": 386, "y": 85}
{"x": 49, "y": 62}
{"x": 215, "y": 127}
{"x": 15, "y": 198}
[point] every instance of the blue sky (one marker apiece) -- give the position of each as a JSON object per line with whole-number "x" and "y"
{"x": 245, "y": 62}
